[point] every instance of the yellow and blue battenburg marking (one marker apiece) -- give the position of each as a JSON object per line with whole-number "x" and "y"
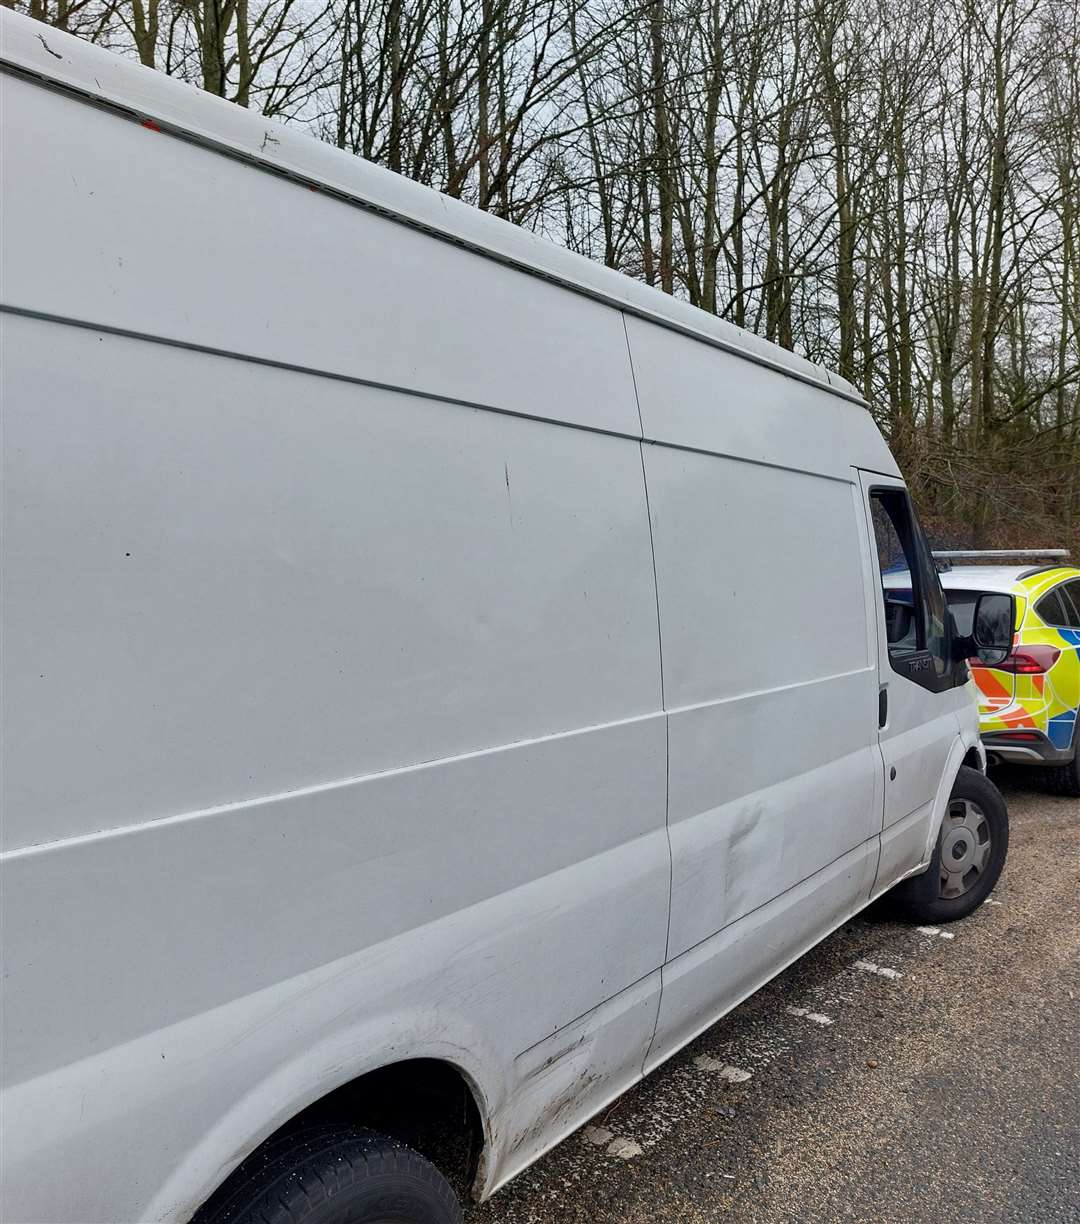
{"x": 1039, "y": 686}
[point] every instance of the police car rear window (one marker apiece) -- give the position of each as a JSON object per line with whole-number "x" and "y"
{"x": 1053, "y": 609}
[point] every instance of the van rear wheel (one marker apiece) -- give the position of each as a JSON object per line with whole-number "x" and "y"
{"x": 968, "y": 857}
{"x": 334, "y": 1175}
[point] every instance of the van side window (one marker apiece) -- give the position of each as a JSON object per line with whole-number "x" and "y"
{"x": 898, "y": 588}
{"x": 915, "y": 610}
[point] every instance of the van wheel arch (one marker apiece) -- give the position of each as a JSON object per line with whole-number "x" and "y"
{"x": 982, "y": 816}
{"x": 973, "y": 759}
{"x": 428, "y": 1104}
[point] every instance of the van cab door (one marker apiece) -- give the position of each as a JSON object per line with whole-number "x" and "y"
{"x": 918, "y": 693}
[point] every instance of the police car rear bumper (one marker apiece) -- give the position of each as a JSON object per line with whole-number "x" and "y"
{"x": 1023, "y": 747}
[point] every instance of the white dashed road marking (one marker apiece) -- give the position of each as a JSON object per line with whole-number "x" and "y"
{"x": 687, "y": 1087}
{"x": 734, "y": 1075}
{"x": 816, "y": 1017}
{"x": 937, "y": 931}
{"x": 880, "y": 970}
{"x": 614, "y": 1145}
{"x": 625, "y": 1149}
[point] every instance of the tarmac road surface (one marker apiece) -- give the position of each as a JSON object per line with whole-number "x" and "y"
{"x": 947, "y": 1093}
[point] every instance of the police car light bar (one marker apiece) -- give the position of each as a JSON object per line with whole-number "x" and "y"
{"x": 1003, "y": 554}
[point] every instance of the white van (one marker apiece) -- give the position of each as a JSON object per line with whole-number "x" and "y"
{"x": 441, "y": 676}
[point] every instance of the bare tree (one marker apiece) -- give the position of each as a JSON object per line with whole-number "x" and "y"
{"x": 889, "y": 188}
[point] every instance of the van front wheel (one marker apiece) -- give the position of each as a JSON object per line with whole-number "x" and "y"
{"x": 968, "y": 857}
{"x": 334, "y": 1175}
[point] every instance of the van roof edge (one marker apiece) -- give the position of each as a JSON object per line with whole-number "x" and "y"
{"x": 29, "y": 48}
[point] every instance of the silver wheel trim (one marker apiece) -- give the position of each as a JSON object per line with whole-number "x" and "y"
{"x": 965, "y": 847}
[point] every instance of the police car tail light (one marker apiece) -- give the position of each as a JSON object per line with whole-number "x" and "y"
{"x": 1030, "y": 660}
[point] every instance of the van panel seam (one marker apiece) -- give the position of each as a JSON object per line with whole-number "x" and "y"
{"x": 316, "y": 788}
{"x": 274, "y": 363}
{"x": 663, "y": 702}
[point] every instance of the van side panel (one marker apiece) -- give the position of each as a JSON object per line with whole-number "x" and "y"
{"x": 694, "y": 395}
{"x": 771, "y": 692}
{"x": 150, "y": 233}
{"x": 333, "y": 738}
{"x": 768, "y": 682}
{"x": 228, "y": 581}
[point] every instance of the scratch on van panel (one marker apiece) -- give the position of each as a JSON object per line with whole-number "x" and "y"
{"x": 562, "y": 1107}
{"x": 552, "y": 1059}
{"x": 54, "y": 54}
{"x": 747, "y": 821}
{"x": 268, "y": 138}
{"x": 509, "y": 500}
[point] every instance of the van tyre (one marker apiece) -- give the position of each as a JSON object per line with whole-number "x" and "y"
{"x": 968, "y": 857}
{"x": 334, "y": 1175}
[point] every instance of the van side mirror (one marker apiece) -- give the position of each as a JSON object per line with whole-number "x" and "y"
{"x": 991, "y": 629}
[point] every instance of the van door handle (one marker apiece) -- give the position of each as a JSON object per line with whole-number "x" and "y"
{"x": 882, "y": 707}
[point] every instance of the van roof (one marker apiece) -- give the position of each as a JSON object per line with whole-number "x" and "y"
{"x": 143, "y": 94}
